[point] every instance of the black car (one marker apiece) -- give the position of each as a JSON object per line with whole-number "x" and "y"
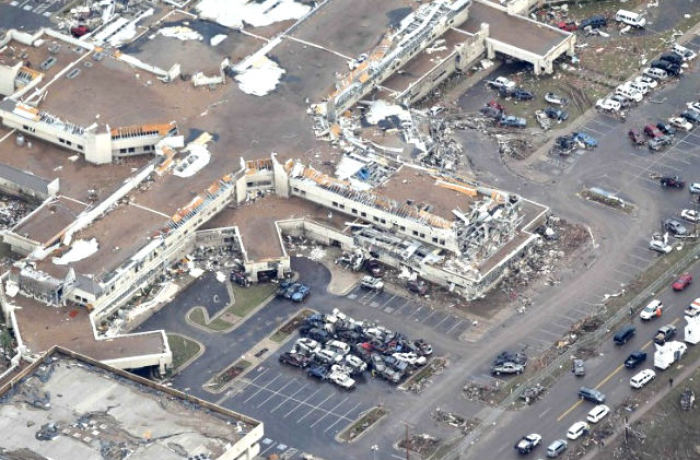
{"x": 624, "y": 335}
{"x": 522, "y": 95}
{"x": 294, "y": 359}
{"x": 318, "y": 335}
{"x": 672, "y": 182}
{"x": 240, "y": 279}
{"x": 691, "y": 115}
{"x": 319, "y": 372}
{"x": 556, "y": 114}
{"x": 634, "y": 359}
{"x": 374, "y": 268}
{"x": 419, "y": 287}
{"x": 666, "y": 128}
{"x": 594, "y": 22}
{"x": 590, "y": 394}
{"x": 669, "y": 67}
{"x": 672, "y": 57}
{"x": 517, "y": 357}
{"x": 565, "y": 142}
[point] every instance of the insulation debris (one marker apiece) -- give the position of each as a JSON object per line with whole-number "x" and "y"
{"x": 79, "y": 250}
{"x": 236, "y": 13}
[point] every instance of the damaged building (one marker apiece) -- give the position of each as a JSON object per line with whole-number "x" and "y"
{"x": 67, "y": 405}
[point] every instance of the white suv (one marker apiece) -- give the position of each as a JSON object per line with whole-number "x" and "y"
{"x": 641, "y": 379}
{"x": 597, "y": 414}
{"x": 652, "y": 310}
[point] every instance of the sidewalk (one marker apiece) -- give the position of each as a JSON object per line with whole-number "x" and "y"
{"x": 678, "y": 380}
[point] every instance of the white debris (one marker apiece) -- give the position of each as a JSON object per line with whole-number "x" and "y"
{"x": 198, "y": 158}
{"x": 220, "y": 277}
{"x": 260, "y": 77}
{"x": 181, "y": 33}
{"x": 74, "y": 158}
{"x": 165, "y": 295}
{"x": 380, "y": 109}
{"x": 317, "y": 253}
{"x": 216, "y": 39}
{"x": 196, "y": 272}
{"x": 11, "y": 288}
{"x": 348, "y": 167}
{"x": 234, "y": 13}
{"x": 79, "y": 250}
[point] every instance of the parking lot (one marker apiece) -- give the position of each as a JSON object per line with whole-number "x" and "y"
{"x": 44, "y": 8}
{"x": 448, "y": 325}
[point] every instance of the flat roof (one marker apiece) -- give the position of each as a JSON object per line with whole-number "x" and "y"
{"x": 421, "y": 188}
{"x": 92, "y": 411}
{"x": 256, "y": 222}
{"x": 34, "y": 56}
{"x": 514, "y": 30}
{"x": 42, "y": 326}
{"x": 76, "y": 176}
{"x": 424, "y": 61}
{"x": 193, "y": 55}
{"x": 120, "y": 234}
{"x": 50, "y": 219}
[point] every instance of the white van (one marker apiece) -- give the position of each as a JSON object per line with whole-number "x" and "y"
{"x": 639, "y": 86}
{"x": 630, "y": 18}
{"x": 653, "y": 72}
{"x": 338, "y": 347}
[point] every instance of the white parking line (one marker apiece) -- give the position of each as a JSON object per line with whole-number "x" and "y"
{"x": 390, "y": 299}
{"x": 272, "y": 444}
{"x": 275, "y": 394}
{"x": 288, "y": 398}
{"x": 426, "y": 318}
{"x": 546, "y": 332}
{"x": 566, "y": 326}
{"x": 301, "y": 403}
{"x": 260, "y": 388}
{"x": 318, "y": 407}
{"x": 329, "y": 412}
{"x": 398, "y": 310}
{"x": 453, "y": 327}
{"x": 588, "y": 128}
{"x": 419, "y": 309}
{"x": 643, "y": 259}
{"x": 443, "y": 320}
{"x": 344, "y": 417}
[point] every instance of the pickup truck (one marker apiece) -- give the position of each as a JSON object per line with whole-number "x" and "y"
{"x": 513, "y": 121}
{"x": 502, "y": 82}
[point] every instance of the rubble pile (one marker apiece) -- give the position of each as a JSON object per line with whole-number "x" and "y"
{"x": 532, "y": 394}
{"x": 12, "y": 210}
{"x": 423, "y": 444}
{"x": 466, "y": 426}
{"x": 514, "y": 147}
{"x": 483, "y": 392}
{"x": 687, "y": 399}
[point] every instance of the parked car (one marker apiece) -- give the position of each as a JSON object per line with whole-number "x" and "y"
{"x": 635, "y": 359}
{"x": 502, "y": 82}
{"x": 672, "y": 57}
{"x": 318, "y": 335}
{"x": 597, "y": 414}
{"x": 691, "y": 115}
{"x": 568, "y": 26}
{"x": 327, "y": 357}
{"x": 693, "y": 309}
{"x": 668, "y": 67}
{"x": 674, "y": 227}
{"x": 657, "y": 143}
{"x": 342, "y": 380}
{"x": 301, "y": 293}
{"x": 685, "y": 53}
{"x": 594, "y": 22}
{"x": 512, "y": 121}
{"x": 374, "y": 267}
{"x": 578, "y": 368}
{"x": 510, "y": 357}
{"x": 591, "y": 394}
{"x": 682, "y": 282}
{"x": 79, "y": 31}
{"x": 624, "y": 102}
{"x": 651, "y": 82}
{"x": 691, "y": 215}
{"x": 306, "y": 346}
{"x": 423, "y": 347}
{"x": 411, "y": 358}
{"x": 694, "y": 105}
{"x": 577, "y": 430}
{"x": 659, "y": 245}
{"x": 655, "y": 73}
{"x": 652, "y": 131}
{"x": 681, "y": 123}
{"x": 665, "y": 333}
{"x": 694, "y": 188}
{"x": 527, "y": 443}
{"x": 491, "y": 112}
{"x": 672, "y": 182}
{"x": 652, "y": 310}
{"x": 666, "y": 128}
{"x": 556, "y": 114}
{"x": 355, "y": 364}
{"x": 608, "y": 105}
{"x": 636, "y": 137}
{"x": 586, "y": 139}
{"x": 555, "y": 99}
{"x": 556, "y": 448}
{"x": 370, "y": 282}
{"x": 294, "y": 359}
{"x": 516, "y": 93}
{"x": 507, "y": 368}
{"x": 319, "y": 372}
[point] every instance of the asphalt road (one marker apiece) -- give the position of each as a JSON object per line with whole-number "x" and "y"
{"x": 561, "y": 408}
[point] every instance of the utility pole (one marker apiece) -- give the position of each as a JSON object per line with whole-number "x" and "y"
{"x": 406, "y": 424}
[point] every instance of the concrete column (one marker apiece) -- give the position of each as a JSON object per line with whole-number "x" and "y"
{"x": 490, "y": 53}
{"x": 537, "y": 67}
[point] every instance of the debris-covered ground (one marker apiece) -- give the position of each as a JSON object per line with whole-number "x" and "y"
{"x": 666, "y": 431}
{"x": 423, "y": 444}
{"x": 13, "y": 209}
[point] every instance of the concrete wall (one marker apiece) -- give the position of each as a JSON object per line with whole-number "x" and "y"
{"x": 7, "y": 78}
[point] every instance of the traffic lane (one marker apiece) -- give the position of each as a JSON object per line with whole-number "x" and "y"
{"x": 560, "y": 408}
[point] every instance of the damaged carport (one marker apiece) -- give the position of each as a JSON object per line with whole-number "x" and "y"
{"x": 543, "y": 46}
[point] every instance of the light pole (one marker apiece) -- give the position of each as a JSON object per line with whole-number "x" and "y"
{"x": 374, "y": 448}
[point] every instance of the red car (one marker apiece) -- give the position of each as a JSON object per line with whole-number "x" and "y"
{"x": 652, "y": 131}
{"x": 682, "y": 282}
{"x": 569, "y": 26}
{"x": 79, "y": 31}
